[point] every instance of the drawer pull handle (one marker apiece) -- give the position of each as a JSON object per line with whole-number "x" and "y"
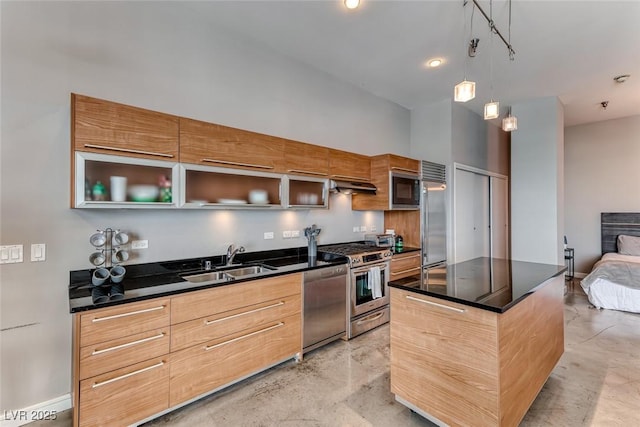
{"x": 370, "y": 318}
{"x": 118, "y": 347}
{"x": 357, "y": 178}
{"x": 406, "y": 257}
{"x": 307, "y": 172}
{"x": 411, "y": 171}
{"x": 395, "y": 273}
{"x": 458, "y": 310}
{"x": 248, "y": 165}
{"x": 128, "y": 150}
{"x": 130, "y": 374}
{"x": 211, "y": 347}
{"x": 255, "y": 310}
{"x": 131, "y": 313}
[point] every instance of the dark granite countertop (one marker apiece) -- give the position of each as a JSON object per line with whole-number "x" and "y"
{"x": 487, "y": 283}
{"x": 157, "y": 279}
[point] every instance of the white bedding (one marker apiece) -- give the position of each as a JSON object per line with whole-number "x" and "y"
{"x": 614, "y": 283}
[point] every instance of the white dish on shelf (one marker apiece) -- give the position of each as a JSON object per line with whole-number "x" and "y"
{"x": 199, "y": 202}
{"x": 232, "y": 201}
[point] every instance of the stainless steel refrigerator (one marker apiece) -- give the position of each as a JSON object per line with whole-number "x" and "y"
{"x": 433, "y": 223}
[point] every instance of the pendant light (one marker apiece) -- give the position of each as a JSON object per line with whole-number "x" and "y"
{"x": 509, "y": 123}
{"x": 465, "y": 90}
{"x": 491, "y": 109}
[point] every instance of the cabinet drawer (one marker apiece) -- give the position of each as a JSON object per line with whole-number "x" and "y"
{"x": 107, "y": 324}
{"x": 205, "y": 367}
{"x": 405, "y": 265}
{"x": 218, "y": 325}
{"x": 107, "y": 127}
{"x": 125, "y": 396}
{"x": 195, "y": 305}
{"x": 107, "y": 356}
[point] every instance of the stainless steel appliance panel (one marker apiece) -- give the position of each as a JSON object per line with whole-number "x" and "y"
{"x": 434, "y": 223}
{"x": 364, "y": 323}
{"x": 325, "y": 306}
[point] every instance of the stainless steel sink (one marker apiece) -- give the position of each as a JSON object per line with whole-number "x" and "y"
{"x": 245, "y": 271}
{"x": 205, "y": 277}
{"x": 232, "y": 273}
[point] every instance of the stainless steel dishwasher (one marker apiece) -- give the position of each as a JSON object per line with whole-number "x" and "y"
{"x": 325, "y": 306}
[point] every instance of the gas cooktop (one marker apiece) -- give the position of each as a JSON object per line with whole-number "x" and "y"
{"x": 359, "y": 254}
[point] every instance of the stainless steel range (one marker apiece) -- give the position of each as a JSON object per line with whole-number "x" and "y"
{"x": 368, "y": 285}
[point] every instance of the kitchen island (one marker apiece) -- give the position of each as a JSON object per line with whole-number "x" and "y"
{"x": 477, "y": 348}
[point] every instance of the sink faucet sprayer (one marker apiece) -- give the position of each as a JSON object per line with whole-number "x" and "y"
{"x": 232, "y": 251}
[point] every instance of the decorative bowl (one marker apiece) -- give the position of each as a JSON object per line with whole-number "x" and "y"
{"x": 143, "y": 193}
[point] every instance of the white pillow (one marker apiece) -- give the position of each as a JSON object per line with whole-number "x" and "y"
{"x": 628, "y": 245}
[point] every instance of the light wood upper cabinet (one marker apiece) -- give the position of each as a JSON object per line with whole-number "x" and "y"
{"x": 381, "y": 168}
{"x": 216, "y": 145}
{"x": 306, "y": 159}
{"x": 107, "y": 127}
{"x": 349, "y": 166}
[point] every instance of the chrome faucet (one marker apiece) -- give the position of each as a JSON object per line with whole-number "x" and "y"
{"x": 232, "y": 251}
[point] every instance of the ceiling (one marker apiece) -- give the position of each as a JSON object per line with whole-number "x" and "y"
{"x": 568, "y": 49}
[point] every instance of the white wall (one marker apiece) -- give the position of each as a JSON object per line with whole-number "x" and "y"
{"x": 601, "y": 175}
{"x": 153, "y": 56}
{"x": 537, "y": 182}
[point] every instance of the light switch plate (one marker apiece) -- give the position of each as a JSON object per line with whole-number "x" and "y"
{"x": 286, "y": 234}
{"x": 139, "y": 244}
{"x": 38, "y": 252}
{"x": 268, "y": 235}
{"x": 295, "y": 233}
{"x": 11, "y": 254}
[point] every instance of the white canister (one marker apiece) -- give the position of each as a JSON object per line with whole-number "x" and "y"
{"x": 118, "y": 188}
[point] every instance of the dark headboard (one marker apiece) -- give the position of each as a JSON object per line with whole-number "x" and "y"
{"x": 613, "y": 224}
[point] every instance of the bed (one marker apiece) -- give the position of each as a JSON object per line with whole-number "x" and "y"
{"x": 614, "y": 281}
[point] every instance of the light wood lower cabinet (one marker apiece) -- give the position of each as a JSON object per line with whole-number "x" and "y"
{"x": 205, "y": 367}
{"x": 405, "y": 265}
{"x": 468, "y": 366}
{"x": 135, "y": 360}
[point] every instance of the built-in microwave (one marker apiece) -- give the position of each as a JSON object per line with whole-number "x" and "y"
{"x": 405, "y": 191}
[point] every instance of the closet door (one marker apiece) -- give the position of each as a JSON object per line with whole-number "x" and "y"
{"x": 499, "y": 218}
{"x": 472, "y": 216}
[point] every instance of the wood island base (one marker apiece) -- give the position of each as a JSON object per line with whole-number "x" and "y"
{"x": 456, "y": 364}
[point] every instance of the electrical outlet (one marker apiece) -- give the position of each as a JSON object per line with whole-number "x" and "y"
{"x": 363, "y": 228}
{"x": 268, "y": 235}
{"x": 139, "y": 244}
{"x": 356, "y": 229}
{"x": 373, "y": 228}
{"x": 295, "y": 233}
{"x": 286, "y": 234}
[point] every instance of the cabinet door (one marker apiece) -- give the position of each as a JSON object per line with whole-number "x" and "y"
{"x": 216, "y": 145}
{"x": 203, "y": 368}
{"x": 444, "y": 357}
{"x": 107, "y": 127}
{"x": 126, "y": 395}
{"x": 404, "y": 265}
{"x": 195, "y": 305}
{"x": 349, "y": 166}
{"x": 306, "y": 159}
{"x": 404, "y": 164}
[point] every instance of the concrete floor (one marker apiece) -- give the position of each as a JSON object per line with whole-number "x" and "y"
{"x": 596, "y": 383}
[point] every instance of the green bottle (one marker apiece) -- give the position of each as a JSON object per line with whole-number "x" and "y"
{"x": 99, "y": 192}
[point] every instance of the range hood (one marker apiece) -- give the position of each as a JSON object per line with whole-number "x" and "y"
{"x": 349, "y": 187}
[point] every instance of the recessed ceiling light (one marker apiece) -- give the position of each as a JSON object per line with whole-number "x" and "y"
{"x": 433, "y": 63}
{"x": 622, "y": 78}
{"x": 351, "y": 4}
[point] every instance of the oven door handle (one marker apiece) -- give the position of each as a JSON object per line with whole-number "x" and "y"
{"x": 383, "y": 267}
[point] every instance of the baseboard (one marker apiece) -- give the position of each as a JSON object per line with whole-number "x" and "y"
{"x": 48, "y": 410}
